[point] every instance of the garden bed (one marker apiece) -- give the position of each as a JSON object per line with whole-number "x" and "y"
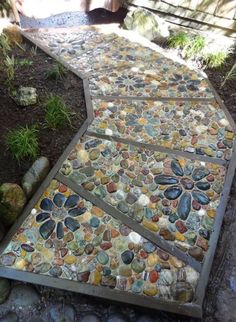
{"x": 31, "y": 67}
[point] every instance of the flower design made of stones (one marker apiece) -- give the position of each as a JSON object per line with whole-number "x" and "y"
{"x": 190, "y": 191}
{"x": 59, "y": 212}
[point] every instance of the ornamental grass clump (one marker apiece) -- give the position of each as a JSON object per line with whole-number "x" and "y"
{"x": 23, "y": 143}
{"x": 56, "y": 72}
{"x": 57, "y": 113}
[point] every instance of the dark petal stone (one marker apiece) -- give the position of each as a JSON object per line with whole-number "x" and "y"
{"x": 77, "y": 211}
{"x": 165, "y": 180}
{"x": 127, "y": 257}
{"x": 72, "y": 201}
{"x": 173, "y": 217}
{"x": 60, "y": 230}
{"x": 59, "y": 200}
{"x": 47, "y": 229}
{"x": 71, "y": 224}
{"x": 187, "y": 183}
{"x": 184, "y": 206}
{"x": 27, "y": 248}
{"x": 203, "y": 185}
{"x": 200, "y": 173}
{"x": 173, "y": 192}
{"x": 176, "y": 168}
{"x": 46, "y": 204}
{"x": 200, "y": 197}
{"x": 42, "y": 216}
{"x": 92, "y": 144}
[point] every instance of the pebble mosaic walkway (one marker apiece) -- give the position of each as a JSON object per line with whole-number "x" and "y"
{"x": 133, "y": 209}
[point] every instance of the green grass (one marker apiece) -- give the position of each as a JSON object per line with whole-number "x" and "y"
{"x": 23, "y": 143}
{"x": 179, "y": 40}
{"x": 4, "y": 44}
{"x": 190, "y": 45}
{"x": 57, "y": 113}
{"x": 24, "y": 62}
{"x": 9, "y": 68}
{"x": 56, "y": 72}
{"x": 214, "y": 60}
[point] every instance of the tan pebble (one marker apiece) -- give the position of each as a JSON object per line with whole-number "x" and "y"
{"x": 211, "y": 213}
{"x": 70, "y": 259}
{"x": 152, "y": 260}
{"x": 150, "y": 225}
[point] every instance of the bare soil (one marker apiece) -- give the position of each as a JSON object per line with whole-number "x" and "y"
{"x": 51, "y": 142}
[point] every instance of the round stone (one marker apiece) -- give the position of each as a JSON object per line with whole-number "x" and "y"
{"x": 102, "y": 258}
{"x": 127, "y": 257}
{"x": 138, "y": 265}
{"x": 90, "y": 318}
{"x": 94, "y": 222}
{"x": 149, "y": 247}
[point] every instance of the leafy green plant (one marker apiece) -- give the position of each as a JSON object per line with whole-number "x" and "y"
{"x": 179, "y": 40}
{"x": 195, "y": 46}
{"x": 56, "y": 72}
{"x": 9, "y": 68}
{"x": 214, "y": 60}
{"x": 190, "y": 45}
{"x": 4, "y": 44}
{"x": 24, "y": 62}
{"x": 57, "y": 113}
{"x": 230, "y": 75}
{"x": 23, "y": 143}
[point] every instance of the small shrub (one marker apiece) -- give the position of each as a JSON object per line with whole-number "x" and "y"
{"x": 23, "y": 143}
{"x": 179, "y": 40}
{"x": 56, "y": 72}
{"x": 214, "y": 60}
{"x": 190, "y": 45}
{"x": 57, "y": 113}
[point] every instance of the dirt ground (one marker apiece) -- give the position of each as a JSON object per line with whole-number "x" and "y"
{"x": 52, "y": 142}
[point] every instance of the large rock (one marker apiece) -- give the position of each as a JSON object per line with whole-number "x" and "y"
{"x": 35, "y": 175}
{"x": 146, "y": 23}
{"x": 5, "y": 288}
{"x": 12, "y": 201}
{"x": 23, "y": 295}
{"x": 25, "y": 96}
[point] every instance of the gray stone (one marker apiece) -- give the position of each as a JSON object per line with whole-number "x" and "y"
{"x": 90, "y": 318}
{"x": 146, "y": 23}
{"x": 10, "y": 317}
{"x": 23, "y": 295}
{"x": 25, "y": 96}
{"x": 62, "y": 313}
{"x": 35, "y": 175}
{"x": 117, "y": 318}
{"x": 5, "y": 288}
